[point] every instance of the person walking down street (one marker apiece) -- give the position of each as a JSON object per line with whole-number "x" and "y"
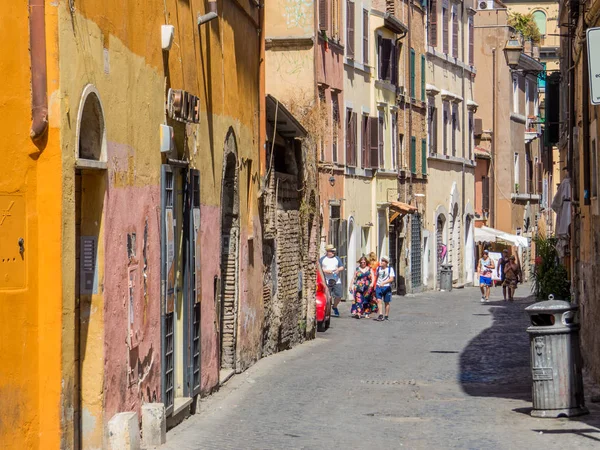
{"x": 332, "y": 267}
{"x": 512, "y": 277}
{"x": 500, "y": 270}
{"x": 374, "y": 263}
{"x": 383, "y": 291}
{"x": 362, "y": 286}
{"x": 486, "y": 265}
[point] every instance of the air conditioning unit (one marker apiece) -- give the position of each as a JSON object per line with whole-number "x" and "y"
{"x": 485, "y": 4}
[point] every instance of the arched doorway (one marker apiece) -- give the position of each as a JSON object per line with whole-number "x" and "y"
{"x": 230, "y": 236}
{"x": 441, "y": 248}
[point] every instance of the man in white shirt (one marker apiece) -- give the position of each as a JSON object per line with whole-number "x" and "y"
{"x": 383, "y": 290}
{"x": 332, "y": 267}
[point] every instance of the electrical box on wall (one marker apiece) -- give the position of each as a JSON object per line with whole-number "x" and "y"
{"x": 166, "y": 138}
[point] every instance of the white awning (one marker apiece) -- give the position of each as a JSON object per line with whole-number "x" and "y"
{"x": 487, "y": 234}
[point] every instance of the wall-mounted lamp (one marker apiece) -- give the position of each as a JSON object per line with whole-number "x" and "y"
{"x": 167, "y": 32}
{"x": 332, "y": 181}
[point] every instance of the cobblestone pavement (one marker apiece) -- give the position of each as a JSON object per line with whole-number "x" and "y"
{"x": 445, "y": 372}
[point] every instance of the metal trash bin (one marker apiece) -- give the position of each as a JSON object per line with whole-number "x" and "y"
{"x": 446, "y": 277}
{"x": 555, "y": 360}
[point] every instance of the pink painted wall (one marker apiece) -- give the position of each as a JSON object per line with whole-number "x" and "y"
{"x": 210, "y": 251}
{"x": 127, "y": 210}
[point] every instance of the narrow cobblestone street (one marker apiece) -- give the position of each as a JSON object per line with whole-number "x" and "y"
{"x": 444, "y": 372}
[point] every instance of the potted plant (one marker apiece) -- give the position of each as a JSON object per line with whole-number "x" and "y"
{"x": 517, "y": 188}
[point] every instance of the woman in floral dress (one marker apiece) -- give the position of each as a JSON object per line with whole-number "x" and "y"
{"x": 362, "y": 286}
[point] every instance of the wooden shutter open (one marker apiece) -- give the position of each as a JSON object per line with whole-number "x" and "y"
{"x": 350, "y": 29}
{"x": 540, "y": 177}
{"x": 471, "y": 41}
{"x": 385, "y": 47}
{"x": 323, "y": 16}
{"x": 354, "y": 137}
{"x": 364, "y": 157}
{"x": 424, "y": 156}
{"x": 485, "y": 193}
{"x": 446, "y": 26}
{"x": 413, "y": 154}
{"x": 455, "y": 33}
{"x": 395, "y": 57}
{"x": 412, "y": 74}
{"x": 374, "y": 142}
{"x": 349, "y": 137}
{"x": 433, "y": 23}
{"x": 365, "y": 36}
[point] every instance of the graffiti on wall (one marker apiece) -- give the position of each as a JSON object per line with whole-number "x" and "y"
{"x": 298, "y": 13}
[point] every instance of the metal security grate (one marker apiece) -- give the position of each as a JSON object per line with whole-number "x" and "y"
{"x": 415, "y": 252}
{"x": 169, "y": 341}
{"x": 196, "y": 349}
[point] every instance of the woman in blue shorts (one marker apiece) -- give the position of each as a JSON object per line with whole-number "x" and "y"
{"x": 486, "y": 266}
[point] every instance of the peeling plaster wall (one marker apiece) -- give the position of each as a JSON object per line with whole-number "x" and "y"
{"x": 115, "y": 46}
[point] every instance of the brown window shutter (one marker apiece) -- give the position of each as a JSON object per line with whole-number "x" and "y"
{"x": 385, "y": 46}
{"x": 349, "y": 137}
{"x": 471, "y": 41}
{"x": 455, "y": 34}
{"x": 364, "y": 142}
{"x": 350, "y": 29}
{"x": 485, "y": 193}
{"x": 323, "y": 16}
{"x": 354, "y": 137}
{"x": 365, "y": 36}
{"x": 395, "y": 57}
{"x": 374, "y": 144}
{"x": 540, "y": 178}
{"x": 433, "y": 23}
{"x": 446, "y": 25}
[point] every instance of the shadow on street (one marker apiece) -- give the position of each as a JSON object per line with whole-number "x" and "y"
{"x": 496, "y": 364}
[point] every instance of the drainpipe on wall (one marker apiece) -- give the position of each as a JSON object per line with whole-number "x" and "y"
{"x": 212, "y": 14}
{"x": 39, "y": 71}
{"x": 262, "y": 94}
{"x": 492, "y": 185}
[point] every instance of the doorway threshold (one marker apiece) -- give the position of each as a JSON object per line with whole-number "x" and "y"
{"x": 225, "y": 375}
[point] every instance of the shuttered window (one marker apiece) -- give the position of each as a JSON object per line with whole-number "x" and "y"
{"x": 350, "y": 29}
{"x": 471, "y": 41}
{"x": 445, "y": 125}
{"x": 413, "y": 154}
{"x": 432, "y": 16}
{"x": 455, "y": 31}
{"x": 395, "y": 58}
{"x": 422, "y": 78}
{"x": 424, "y": 156}
{"x": 485, "y": 193}
{"x": 412, "y": 74}
{"x": 381, "y": 140}
{"x": 323, "y": 16}
{"x": 386, "y": 57}
{"x": 374, "y": 142}
{"x": 365, "y": 141}
{"x": 351, "y": 138}
{"x": 432, "y": 129}
{"x": 445, "y": 31}
{"x": 540, "y": 177}
{"x": 365, "y": 36}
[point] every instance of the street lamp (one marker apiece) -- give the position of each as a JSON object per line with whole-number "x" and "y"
{"x": 332, "y": 181}
{"x": 512, "y": 52}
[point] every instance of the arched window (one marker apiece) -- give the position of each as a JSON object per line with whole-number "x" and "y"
{"x": 539, "y": 17}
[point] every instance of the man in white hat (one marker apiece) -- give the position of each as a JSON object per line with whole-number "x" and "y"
{"x": 332, "y": 267}
{"x": 383, "y": 290}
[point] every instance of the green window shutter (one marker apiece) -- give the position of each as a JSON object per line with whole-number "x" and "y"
{"x": 424, "y": 156}
{"x": 412, "y": 74}
{"x": 413, "y": 154}
{"x": 423, "y": 78}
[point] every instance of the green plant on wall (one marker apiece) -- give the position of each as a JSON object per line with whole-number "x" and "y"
{"x": 550, "y": 276}
{"x": 525, "y": 24}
